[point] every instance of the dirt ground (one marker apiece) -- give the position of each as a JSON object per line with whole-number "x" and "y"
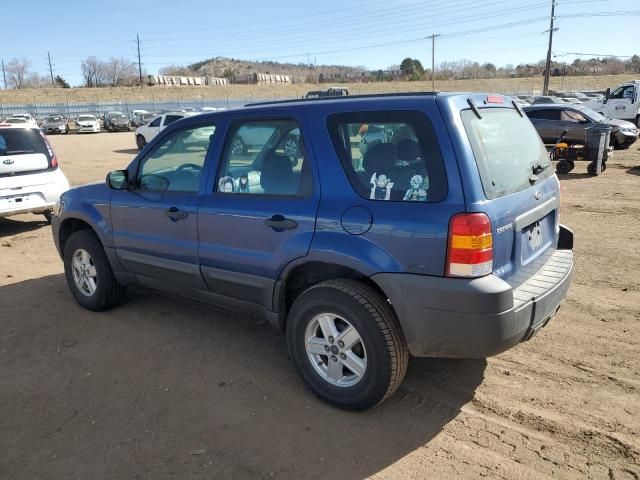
{"x": 167, "y": 388}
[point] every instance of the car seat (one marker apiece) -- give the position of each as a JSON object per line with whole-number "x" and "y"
{"x": 277, "y": 177}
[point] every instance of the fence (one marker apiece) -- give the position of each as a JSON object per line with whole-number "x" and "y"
{"x": 40, "y": 110}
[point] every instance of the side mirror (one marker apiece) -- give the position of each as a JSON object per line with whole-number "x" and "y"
{"x": 606, "y": 96}
{"x": 118, "y": 179}
{"x": 564, "y": 132}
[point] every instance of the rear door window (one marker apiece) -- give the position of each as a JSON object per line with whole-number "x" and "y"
{"x": 390, "y": 155}
{"x": 265, "y": 157}
{"x": 507, "y": 149}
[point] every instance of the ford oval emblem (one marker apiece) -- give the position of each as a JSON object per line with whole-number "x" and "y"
{"x": 8, "y": 161}
{"x": 538, "y": 195}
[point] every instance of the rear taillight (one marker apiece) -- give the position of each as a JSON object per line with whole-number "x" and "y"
{"x": 53, "y": 163}
{"x": 470, "y": 251}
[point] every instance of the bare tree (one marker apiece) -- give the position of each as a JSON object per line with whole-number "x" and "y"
{"x": 93, "y": 72}
{"x": 17, "y": 70}
{"x": 119, "y": 71}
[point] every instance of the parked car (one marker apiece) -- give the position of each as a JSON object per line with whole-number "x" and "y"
{"x": 573, "y": 100}
{"x": 29, "y": 119}
{"x": 147, "y": 132}
{"x": 134, "y": 117}
{"x": 551, "y": 120}
{"x": 87, "y": 124}
{"x": 621, "y": 102}
{"x": 547, "y": 99}
{"x": 18, "y": 122}
{"x": 116, "y": 121}
{"x": 143, "y": 119}
{"x": 360, "y": 261}
{"x": 55, "y": 124}
{"x": 31, "y": 180}
{"x": 330, "y": 92}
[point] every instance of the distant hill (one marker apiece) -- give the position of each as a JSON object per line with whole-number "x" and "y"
{"x": 227, "y": 67}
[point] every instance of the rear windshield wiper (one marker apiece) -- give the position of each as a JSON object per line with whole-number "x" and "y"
{"x": 537, "y": 170}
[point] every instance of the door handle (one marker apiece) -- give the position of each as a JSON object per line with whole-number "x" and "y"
{"x": 280, "y": 223}
{"x": 175, "y": 214}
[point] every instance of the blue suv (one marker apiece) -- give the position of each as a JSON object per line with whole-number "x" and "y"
{"x": 366, "y": 228}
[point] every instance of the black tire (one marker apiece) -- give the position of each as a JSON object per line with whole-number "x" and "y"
{"x": 572, "y": 165}
{"x": 563, "y": 167}
{"x": 108, "y": 292}
{"x": 382, "y": 338}
{"x": 638, "y": 121}
{"x": 140, "y": 142}
{"x": 591, "y": 168}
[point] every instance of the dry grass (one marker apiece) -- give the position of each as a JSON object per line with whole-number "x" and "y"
{"x": 250, "y": 92}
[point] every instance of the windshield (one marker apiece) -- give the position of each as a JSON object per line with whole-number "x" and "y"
{"x": 86, "y": 118}
{"x": 507, "y": 149}
{"x": 53, "y": 119}
{"x": 15, "y": 120}
{"x": 116, "y": 114}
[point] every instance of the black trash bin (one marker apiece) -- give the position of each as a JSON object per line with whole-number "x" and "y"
{"x": 596, "y": 152}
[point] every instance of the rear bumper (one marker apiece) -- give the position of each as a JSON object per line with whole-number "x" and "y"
{"x": 447, "y": 317}
{"x": 33, "y": 198}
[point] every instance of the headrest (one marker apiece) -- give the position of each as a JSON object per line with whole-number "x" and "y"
{"x": 380, "y": 158}
{"x": 277, "y": 175}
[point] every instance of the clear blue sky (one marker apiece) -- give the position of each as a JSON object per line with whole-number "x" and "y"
{"x": 375, "y": 34}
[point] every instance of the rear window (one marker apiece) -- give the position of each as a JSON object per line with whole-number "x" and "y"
{"x": 22, "y": 142}
{"x": 507, "y": 148}
{"x": 390, "y": 155}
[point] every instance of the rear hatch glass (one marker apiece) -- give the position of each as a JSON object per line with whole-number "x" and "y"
{"x": 507, "y": 149}
{"x": 22, "y": 150}
{"x": 520, "y": 186}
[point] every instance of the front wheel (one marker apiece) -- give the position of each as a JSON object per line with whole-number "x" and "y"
{"x": 141, "y": 142}
{"x": 346, "y": 342}
{"x": 88, "y": 273}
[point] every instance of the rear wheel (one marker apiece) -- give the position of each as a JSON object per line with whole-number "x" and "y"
{"x": 88, "y": 273}
{"x": 563, "y": 167}
{"x": 346, "y": 343}
{"x": 141, "y": 142}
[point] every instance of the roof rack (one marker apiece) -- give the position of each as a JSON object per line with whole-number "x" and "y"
{"x": 342, "y": 97}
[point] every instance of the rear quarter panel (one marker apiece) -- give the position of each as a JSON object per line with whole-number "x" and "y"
{"x": 404, "y": 236}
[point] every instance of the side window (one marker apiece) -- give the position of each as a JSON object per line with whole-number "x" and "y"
{"x": 622, "y": 92}
{"x": 390, "y": 156}
{"x": 572, "y": 116}
{"x": 169, "y": 119}
{"x": 265, "y": 157}
{"x": 156, "y": 122}
{"x": 549, "y": 114}
{"x": 176, "y": 164}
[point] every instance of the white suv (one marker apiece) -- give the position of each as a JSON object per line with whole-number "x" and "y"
{"x": 146, "y": 133}
{"x": 30, "y": 179}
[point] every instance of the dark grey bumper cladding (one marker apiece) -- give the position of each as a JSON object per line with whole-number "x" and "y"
{"x": 447, "y": 317}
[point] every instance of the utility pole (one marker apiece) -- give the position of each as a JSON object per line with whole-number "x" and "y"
{"x": 139, "y": 59}
{"x": 547, "y": 68}
{"x": 433, "y": 60}
{"x": 4, "y": 75}
{"x": 50, "y": 67}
